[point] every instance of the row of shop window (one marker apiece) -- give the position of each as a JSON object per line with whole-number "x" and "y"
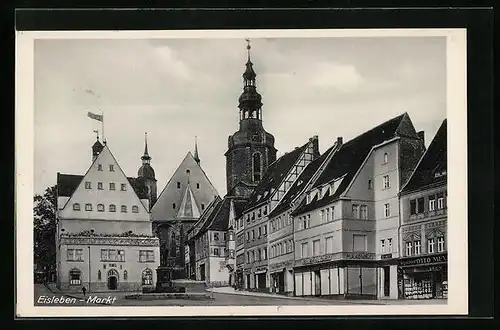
{"x": 101, "y": 208}
{"x": 75, "y": 276}
{"x": 110, "y": 255}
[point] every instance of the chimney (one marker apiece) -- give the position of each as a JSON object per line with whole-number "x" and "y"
{"x": 339, "y": 141}
{"x": 421, "y": 135}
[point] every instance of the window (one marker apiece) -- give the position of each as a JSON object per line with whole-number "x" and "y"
{"x": 252, "y": 256}
{"x": 125, "y": 275}
{"x": 256, "y": 167}
{"x": 88, "y": 207}
{"x": 409, "y": 248}
{"x": 135, "y": 209}
{"x": 225, "y": 236}
{"x": 358, "y": 243}
{"x": 253, "y": 234}
{"x": 265, "y": 230}
{"x": 355, "y": 211}
{"x": 389, "y": 245}
{"x": 112, "y": 208}
{"x": 112, "y": 255}
{"x": 100, "y": 207}
{"x": 111, "y": 186}
{"x": 216, "y": 252}
{"x": 304, "y": 250}
{"x": 99, "y": 167}
{"x": 74, "y": 255}
{"x": 253, "y": 215}
{"x": 188, "y": 172}
{"x": 146, "y": 256}
{"x": 216, "y": 236}
{"x": 304, "y": 223}
{"x": 264, "y": 253}
{"x": 111, "y": 168}
{"x": 440, "y": 242}
{"x": 248, "y": 218}
{"x": 440, "y": 202}
{"x": 178, "y": 185}
{"x": 387, "y": 183}
{"x": 123, "y": 187}
{"x": 202, "y": 206}
{"x": 413, "y": 207}
{"x": 99, "y": 275}
{"x": 76, "y": 207}
{"x": 322, "y": 216}
{"x": 382, "y": 246}
{"x": 147, "y": 277}
{"x": 387, "y": 210}
{"x": 265, "y": 210}
{"x": 260, "y": 232}
{"x": 75, "y": 277}
{"x": 99, "y": 185}
{"x": 333, "y": 213}
{"x": 364, "y": 212}
{"x": 329, "y": 245}
{"x": 370, "y": 184}
{"x": 316, "y": 249}
{"x": 248, "y": 236}
{"x": 197, "y": 186}
{"x": 432, "y": 203}
{"x": 124, "y": 208}
{"x": 386, "y": 158}
{"x": 430, "y": 245}
{"x": 327, "y": 214}
{"x": 88, "y": 185}
{"x": 417, "y": 248}
{"x": 420, "y": 205}
{"x": 248, "y": 257}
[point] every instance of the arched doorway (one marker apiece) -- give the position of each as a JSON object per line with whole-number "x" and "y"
{"x": 112, "y": 279}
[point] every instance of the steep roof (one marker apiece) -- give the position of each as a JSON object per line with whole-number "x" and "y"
{"x": 348, "y": 159}
{"x": 273, "y": 176}
{"x": 187, "y": 175}
{"x": 433, "y": 163}
{"x": 299, "y": 184}
{"x": 67, "y": 184}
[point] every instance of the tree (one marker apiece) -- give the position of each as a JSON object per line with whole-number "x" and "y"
{"x": 44, "y": 229}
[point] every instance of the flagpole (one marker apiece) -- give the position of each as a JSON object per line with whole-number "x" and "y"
{"x": 102, "y": 126}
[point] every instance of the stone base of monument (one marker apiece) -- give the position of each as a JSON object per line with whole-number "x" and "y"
{"x": 164, "y": 283}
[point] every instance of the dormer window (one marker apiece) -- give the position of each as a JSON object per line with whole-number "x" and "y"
{"x": 76, "y": 207}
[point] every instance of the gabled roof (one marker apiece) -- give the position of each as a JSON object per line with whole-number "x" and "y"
{"x": 163, "y": 209}
{"x": 348, "y": 159}
{"x": 67, "y": 184}
{"x": 273, "y": 176}
{"x": 299, "y": 184}
{"x": 432, "y": 166}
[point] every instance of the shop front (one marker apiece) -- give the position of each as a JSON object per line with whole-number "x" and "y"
{"x": 281, "y": 277}
{"x": 424, "y": 277}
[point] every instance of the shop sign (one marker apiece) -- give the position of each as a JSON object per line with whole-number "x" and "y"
{"x": 318, "y": 259}
{"x": 424, "y": 260}
{"x": 386, "y": 256}
{"x": 359, "y": 255}
{"x": 280, "y": 265}
{"x": 426, "y": 269}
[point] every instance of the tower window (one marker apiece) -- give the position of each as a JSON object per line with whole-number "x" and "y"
{"x": 188, "y": 172}
{"x": 178, "y": 185}
{"x": 256, "y": 167}
{"x": 111, "y": 168}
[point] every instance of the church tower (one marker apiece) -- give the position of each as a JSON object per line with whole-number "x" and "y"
{"x": 146, "y": 174}
{"x": 251, "y": 148}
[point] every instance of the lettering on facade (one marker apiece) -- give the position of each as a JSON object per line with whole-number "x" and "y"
{"x": 280, "y": 265}
{"x": 424, "y": 260}
{"x": 359, "y": 255}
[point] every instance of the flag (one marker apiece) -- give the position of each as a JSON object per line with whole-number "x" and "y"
{"x": 95, "y": 116}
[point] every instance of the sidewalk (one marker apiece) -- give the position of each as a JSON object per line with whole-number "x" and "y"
{"x": 231, "y": 290}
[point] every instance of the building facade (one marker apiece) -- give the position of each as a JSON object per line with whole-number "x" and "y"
{"x": 179, "y": 206}
{"x": 104, "y": 237}
{"x": 353, "y": 205}
{"x": 423, "y": 268}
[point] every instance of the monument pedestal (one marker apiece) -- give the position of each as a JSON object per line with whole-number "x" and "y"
{"x": 164, "y": 281}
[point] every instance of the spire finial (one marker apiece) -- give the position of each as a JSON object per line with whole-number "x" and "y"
{"x": 196, "y": 157}
{"x": 145, "y": 158}
{"x": 248, "y": 47}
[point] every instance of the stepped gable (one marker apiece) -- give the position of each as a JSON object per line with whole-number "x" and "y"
{"x": 433, "y": 163}
{"x": 273, "y": 177}
{"x": 299, "y": 184}
{"x": 348, "y": 159}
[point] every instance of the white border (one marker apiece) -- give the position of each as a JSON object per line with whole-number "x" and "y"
{"x": 457, "y": 179}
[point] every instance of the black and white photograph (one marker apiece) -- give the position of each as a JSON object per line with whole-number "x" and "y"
{"x": 243, "y": 172}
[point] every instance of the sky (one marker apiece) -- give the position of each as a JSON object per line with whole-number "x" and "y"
{"x": 176, "y": 89}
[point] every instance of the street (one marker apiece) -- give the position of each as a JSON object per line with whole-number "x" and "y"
{"x": 220, "y": 299}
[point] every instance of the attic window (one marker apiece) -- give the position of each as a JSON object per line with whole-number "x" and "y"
{"x": 111, "y": 168}
{"x": 88, "y": 207}
{"x": 99, "y": 167}
{"x": 135, "y": 209}
{"x": 188, "y": 172}
{"x": 386, "y": 158}
{"x": 88, "y": 185}
{"x": 202, "y": 206}
{"x": 76, "y": 207}
{"x": 173, "y": 206}
{"x": 178, "y": 185}
{"x": 123, "y": 187}
{"x": 100, "y": 207}
{"x": 197, "y": 186}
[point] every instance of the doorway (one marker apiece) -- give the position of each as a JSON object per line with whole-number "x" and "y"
{"x": 112, "y": 279}
{"x": 387, "y": 281}
{"x": 202, "y": 272}
{"x": 317, "y": 283}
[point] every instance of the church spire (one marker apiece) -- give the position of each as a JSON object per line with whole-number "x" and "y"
{"x": 196, "y": 157}
{"x": 250, "y": 100}
{"x": 145, "y": 158}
